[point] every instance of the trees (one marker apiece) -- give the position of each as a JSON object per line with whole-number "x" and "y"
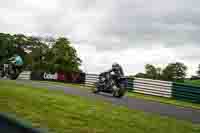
{"x": 175, "y": 72}
{"x": 39, "y": 54}
{"x": 158, "y": 73}
{"x": 64, "y": 56}
{"x": 141, "y": 75}
{"x": 151, "y": 71}
{"x": 172, "y": 72}
{"x": 12, "y": 44}
{"x": 59, "y": 57}
{"x": 7, "y": 48}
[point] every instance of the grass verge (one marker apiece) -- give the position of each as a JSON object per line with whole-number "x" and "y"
{"x": 141, "y": 96}
{"x": 165, "y": 100}
{"x": 72, "y": 114}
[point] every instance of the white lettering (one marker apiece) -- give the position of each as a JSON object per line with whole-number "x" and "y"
{"x": 50, "y": 76}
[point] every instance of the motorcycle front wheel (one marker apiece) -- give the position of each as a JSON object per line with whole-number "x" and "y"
{"x": 2, "y": 74}
{"x": 12, "y": 75}
{"x": 121, "y": 92}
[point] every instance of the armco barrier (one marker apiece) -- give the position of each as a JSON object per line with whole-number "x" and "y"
{"x": 25, "y": 75}
{"x": 186, "y": 92}
{"x": 130, "y": 86}
{"x": 139, "y": 85}
{"x": 153, "y": 87}
{"x": 91, "y": 79}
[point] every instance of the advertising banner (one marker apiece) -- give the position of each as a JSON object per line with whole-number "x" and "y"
{"x": 59, "y": 76}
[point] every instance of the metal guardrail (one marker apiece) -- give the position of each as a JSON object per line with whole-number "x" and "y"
{"x": 186, "y": 92}
{"x": 153, "y": 87}
{"x": 139, "y": 85}
{"x": 156, "y": 88}
{"x": 146, "y": 86}
{"x": 91, "y": 79}
{"x": 25, "y": 75}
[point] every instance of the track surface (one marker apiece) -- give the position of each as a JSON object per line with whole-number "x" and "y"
{"x": 181, "y": 113}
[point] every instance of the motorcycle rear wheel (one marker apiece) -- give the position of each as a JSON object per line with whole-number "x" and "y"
{"x": 12, "y": 76}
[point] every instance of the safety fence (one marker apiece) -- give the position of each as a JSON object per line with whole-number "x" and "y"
{"x": 156, "y": 88}
{"x": 138, "y": 85}
{"x": 186, "y": 92}
{"x": 25, "y": 75}
{"x": 91, "y": 79}
{"x": 152, "y": 87}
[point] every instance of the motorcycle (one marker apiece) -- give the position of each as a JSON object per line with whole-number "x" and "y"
{"x": 1, "y": 71}
{"x": 111, "y": 84}
{"x": 8, "y": 70}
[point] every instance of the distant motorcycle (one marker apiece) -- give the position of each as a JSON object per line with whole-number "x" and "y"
{"x": 8, "y": 70}
{"x": 1, "y": 71}
{"x": 109, "y": 83}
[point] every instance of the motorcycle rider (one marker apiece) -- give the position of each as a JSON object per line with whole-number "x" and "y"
{"x": 113, "y": 81}
{"x": 118, "y": 72}
{"x": 117, "y": 69}
{"x": 17, "y": 63}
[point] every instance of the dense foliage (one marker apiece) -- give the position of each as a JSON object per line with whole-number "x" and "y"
{"x": 172, "y": 72}
{"x": 38, "y": 53}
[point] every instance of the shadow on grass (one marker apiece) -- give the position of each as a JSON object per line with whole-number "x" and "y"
{"x": 9, "y": 124}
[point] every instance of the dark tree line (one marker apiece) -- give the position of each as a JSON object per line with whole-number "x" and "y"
{"x": 38, "y": 54}
{"x": 172, "y": 72}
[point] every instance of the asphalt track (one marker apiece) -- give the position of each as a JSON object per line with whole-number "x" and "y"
{"x": 177, "y": 112}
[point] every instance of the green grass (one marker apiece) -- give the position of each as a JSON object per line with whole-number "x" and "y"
{"x": 141, "y": 96}
{"x": 165, "y": 100}
{"x": 72, "y": 114}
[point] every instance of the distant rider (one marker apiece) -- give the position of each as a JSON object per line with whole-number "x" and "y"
{"x": 118, "y": 72}
{"x": 17, "y": 62}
